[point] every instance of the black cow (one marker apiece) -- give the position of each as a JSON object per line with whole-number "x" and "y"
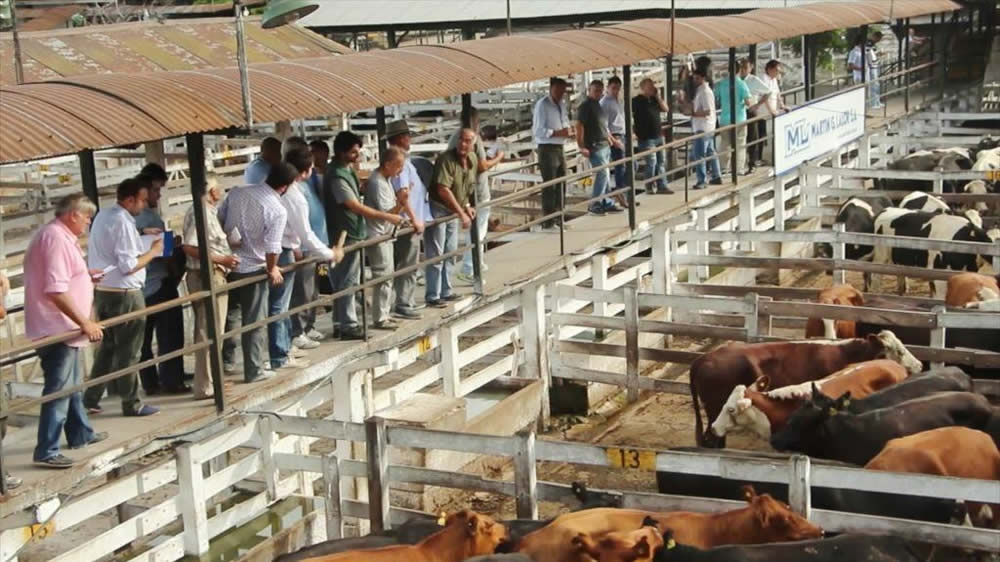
{"x": 904, "y": 222}
{"x": 955, "y": 159}
{"x": 855, "y": 548}
{"x": 946, "y": 379}
{"x": 831, "y": 432}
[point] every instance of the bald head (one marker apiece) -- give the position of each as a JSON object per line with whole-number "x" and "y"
{"x": 393, "y": 160}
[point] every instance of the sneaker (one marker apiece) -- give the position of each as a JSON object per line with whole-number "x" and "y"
{"x": 305, "y": 342}
{"x": 94, "y": 410}
{"x": 387, "y": 324}
{"x": 264, "y": 375}
{"x": 315, "y": 335}
{"x": 56, "y": 461}
{"x": 407, "y": 314}
{"x": 13, "y": 481}
{"x": 716, "y": 181}
{"x": 146, "y": 410}
{"x": 465, "y": 278}
{"x": 294, "y": 351}
{"x": 699, "y": 186}
{"x": 97, "y": 438}
{"x": 613, "y": 209}
{"x": 229, "y": 368}
{"x": 437, "y": 303}
{"x": 353, "y": 333}
{"x": 294, "y": 363}
{"x": 598, "y": 211}
{"x": 452, "y": 298}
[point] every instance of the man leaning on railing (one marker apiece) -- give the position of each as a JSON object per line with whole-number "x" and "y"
{"x": 58, "y": 297}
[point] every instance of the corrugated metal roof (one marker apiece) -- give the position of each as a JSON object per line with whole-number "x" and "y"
{"x": 152, "y": 46}
{"x": 97, "y": 110}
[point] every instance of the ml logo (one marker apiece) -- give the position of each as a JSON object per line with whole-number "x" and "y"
{"x": 796, "y": 137}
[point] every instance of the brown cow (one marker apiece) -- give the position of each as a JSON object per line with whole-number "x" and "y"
{"x": 765, "y": 519}
{"x": 465, "y": 534}
{"x": 946, "y": 451}
{"x": 763, "y": 412}
{"x": 966, "y": 288}
{"x": 833, "y": 329}
{"x": 634, "y": 546}
{"x": 715, "y": 374}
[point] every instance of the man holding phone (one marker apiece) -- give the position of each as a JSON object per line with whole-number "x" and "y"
{"x": 550, "y": 128}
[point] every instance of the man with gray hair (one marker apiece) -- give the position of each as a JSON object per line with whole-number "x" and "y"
{"x": 58, "y": 298}
{"x": 380, "y": 195}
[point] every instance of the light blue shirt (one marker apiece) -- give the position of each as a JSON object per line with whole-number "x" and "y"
{"x": 156, "y": 271}
{"x": 317, "y": 214}
{"x": 256, "y": 172}
{"x": 547, "y": 118}
{"x": 114, "y": 241}
{"x": 418, "y": 191}
{"x": 613, "y": 110}
{"x": 722, "y": 90}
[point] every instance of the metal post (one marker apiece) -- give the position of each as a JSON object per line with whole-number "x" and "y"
{"x": 864, "y": 60}
{"x": 669, "y": 96}
{"x": 390, "y": 39}
{"x": 364, "y": 301}
{"x": 753, "y": 55}
{"x": 732, "y": 115}
{"x": 629, "y": 147}
{"x": 241, "y": 61}
{"x": 906, "y": 59}
{"x": 508, "y": 19}
{"x": 18, "y": 61}
{"x": 380, "y": 131}
{"x": 88, "y": 175}
{"x": 807, "y": 70}
{"x": 196, "y": 164}
{"x": 377, "y": 450}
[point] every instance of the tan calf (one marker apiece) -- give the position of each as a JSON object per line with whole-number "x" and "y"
{"x": 835, "y": 329}
{"x": 966, "y": 288}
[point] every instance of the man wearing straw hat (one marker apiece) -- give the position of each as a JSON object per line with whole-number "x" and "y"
{"x": 406, "y": 248}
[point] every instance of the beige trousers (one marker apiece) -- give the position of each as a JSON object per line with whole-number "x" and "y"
{"x": 725, "y": 157}
{"x": 202, "y": 376}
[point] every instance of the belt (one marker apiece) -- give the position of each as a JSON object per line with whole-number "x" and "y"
{"x": 114, "y": 289}
{"x": 617, "y": 135}
{"x": 550, "y": 146}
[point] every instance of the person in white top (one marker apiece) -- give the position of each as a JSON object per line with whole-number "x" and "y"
{"x": 854, "y": 63}
{"x": 115, "y": 248}
{"x": 775, "y": 105}
{"x": 874, "y": 84}
{"x": 702, "y": 121}
{"x": 550, "y": 128}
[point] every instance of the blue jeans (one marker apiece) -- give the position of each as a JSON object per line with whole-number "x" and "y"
{"x": 654, "y": 162}
{"x": 704, "y": 147}
{"x": 482, "y": 226}
{"x": 61, "y": 368}
{"x": 279, "y": 334}
{"x": 619, "y": 170}
{"x": 599, "y": 157}
{"x": 439, "y": 239}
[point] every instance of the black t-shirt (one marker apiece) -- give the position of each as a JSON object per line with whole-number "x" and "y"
{"x": 595, "y": 124}
{"x": 646, "y": 116}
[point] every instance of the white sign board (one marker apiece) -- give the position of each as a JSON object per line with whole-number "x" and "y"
{"x": 814, "y": 129}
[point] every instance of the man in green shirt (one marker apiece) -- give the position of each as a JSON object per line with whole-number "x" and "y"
{"x": 346, "y": 212}
{"x": 453, "y": 181}
{"x": 723, "y": 90}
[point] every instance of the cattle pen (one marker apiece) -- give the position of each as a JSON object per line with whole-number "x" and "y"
{"x": 375, "y": 433}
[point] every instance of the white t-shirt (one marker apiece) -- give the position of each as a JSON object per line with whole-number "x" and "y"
{"x": 704, "y": 100}
{"x": 854, "y": 58}
{"x": 771, "y": 107}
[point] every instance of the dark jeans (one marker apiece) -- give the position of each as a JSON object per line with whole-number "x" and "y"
{"x": 619, "y": 170}
{"x": 279, "y": 334}
{"x": 552, "y": 162}
{"x": 120, "y": 348}
{"x": 169, "y": 328}
{"x": 404, "y": 253}
{"x": 756, "y": 131}
{"x": 253, "y": 308}
{"x": 61, "y": 368}
{"x": 233, "y": 320}
{"x": 303, "y": 292}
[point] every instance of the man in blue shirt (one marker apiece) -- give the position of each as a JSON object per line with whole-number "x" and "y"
{"x": 723, "y": 91}
{"x": 304, "y": 290}
{"x": 270, "y": 154}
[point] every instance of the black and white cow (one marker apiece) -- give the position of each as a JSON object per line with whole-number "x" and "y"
{"x": 858, "y": 215}
{"x": 920, "y": 201}
{"x": 954, "y": 159}
{"x": 981, "y": 187}
{"x": 905, "y": 222}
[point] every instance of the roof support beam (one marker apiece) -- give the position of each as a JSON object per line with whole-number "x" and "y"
{"x": 733, "y": 147}
{"x": 629, "y": 146}
{"x": 668, "y": 95}
{"x": 88, "y": 175}
{"x": 808, "y": 70}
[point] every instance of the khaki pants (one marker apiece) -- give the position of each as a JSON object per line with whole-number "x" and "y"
{"x": 726, "y": 157}
{"x": 202, "y": 375}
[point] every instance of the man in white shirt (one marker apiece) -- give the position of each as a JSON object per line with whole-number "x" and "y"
{"x": 854, "y": 63}
{"x": 550, "y": 128}
{"x": 874, "y": 84}
{"x": 703, "y": 121}
{"x": 297, "y": 240}
{"x": 257, "y": 213}
{"x": 406, "y": 248}
{"x": 115, "y": 248}
{"x": 774, "y": 104}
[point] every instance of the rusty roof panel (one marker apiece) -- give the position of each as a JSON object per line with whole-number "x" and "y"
{"x": 153, "y": 46}
{"x": 612, "y": 47}
{"x": 34, "y": 129}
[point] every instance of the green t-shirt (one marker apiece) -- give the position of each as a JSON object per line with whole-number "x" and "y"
{"x": 340, "y": 185}
{"x": 449, "y": 172}
{"x": 722, "y": 89}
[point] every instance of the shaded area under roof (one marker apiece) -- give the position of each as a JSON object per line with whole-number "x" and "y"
{"x": 132, "y": 48}
{"x": 57, "y": 117}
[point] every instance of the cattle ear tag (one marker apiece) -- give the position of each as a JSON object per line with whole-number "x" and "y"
{"x": 671, "y": 543}
{"x": 833, "y": 411}
{"x": 441, "y": 520}
{"x": 847, "y": 402}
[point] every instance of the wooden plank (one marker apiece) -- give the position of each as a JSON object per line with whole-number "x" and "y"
{"x": 191, "y": 498}
{"x": 842, "y": 312}
{"x": 450, "y": 441}
{"x": 331, "y": 492}
{"x": 587, "y": 321}
{"x": 525, "y": 476}
{"x": 694, "y": 330}
{"x": 693, "y": 303}
{"x": 377, "y": 452}
{"x": 617, "y": 379}
{"x": 611, "y": 350}
{"x": 631, "y": 345}
{"x": 814, "y": 264}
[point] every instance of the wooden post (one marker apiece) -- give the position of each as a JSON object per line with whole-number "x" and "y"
{"x": 701, "y": 271}
{"x": 536, "y": 349}
{"x": 629, "y": 146}
{"x": 378, "y": 474}
{"x": 779, "y": 205}
{"x": 750, "y": 320}
{"x": 939, "y": 180}
{"x": 348, "y": 406}
{"x": 331, "y": 492}
{"x": 631, "y": 344}
{"x": 450, "y": 368}
{"x": 938, "y": 334}
{"x": 746, "y": 216}
{"x": 661, "y": 260}
{"x": 269, "y": 468}
{"x": 191, "y": 496}
{"x": 525, "y": 476}
{"x": 799, "y": 492}
{"x": 599, "y": 265}
{"x": 839, "y": 253}
{"x": 865, "y": 150}
{"x": 764, "y": 321}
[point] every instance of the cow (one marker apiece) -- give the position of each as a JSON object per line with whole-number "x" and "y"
{"x": 980, "y": 187}
{"x": 337, "y": 545}
{"x": 955, "y": 159}
{"x": 764, "y": 413}
{"x": 947, "y": 451}
{"x": 714, "y": 375}
{"x": 966, "y": 288}
{"x": 633, "y": 546}
{"x": 857, "y": 214}
{"x": 835, "y": 329}
{"x": 922, "y": 201}
{"x": 764, "y": 519}
{"x": 902, "y": 222}
{"x": 465, "y": 534}
{"x": 853, "y": 548}
{"x": 512, "y": 557}
{"x": 833, "y": 432}
{"x": 987, "y": 160}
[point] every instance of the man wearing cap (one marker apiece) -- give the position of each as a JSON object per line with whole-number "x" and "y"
{"x": 406, "y": 248}
{"x": 550, "y": 128}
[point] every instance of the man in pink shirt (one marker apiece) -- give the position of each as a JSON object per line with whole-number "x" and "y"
{"x": 58, "y": 296}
